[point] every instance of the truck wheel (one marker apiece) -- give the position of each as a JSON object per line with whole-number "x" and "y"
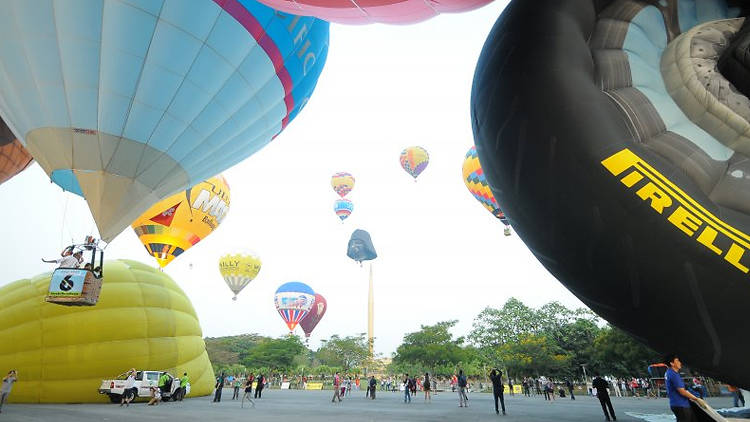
{"x": 115, "y": 398}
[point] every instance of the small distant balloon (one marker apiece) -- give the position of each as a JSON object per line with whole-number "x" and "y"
{"x": 342, "y": 183}
{"x": 293, "y": 301}
{"x": 476, "y": 182}
{"x": 343, "y": 208}
{"x": 239, "y": 269}
{"x": 414, "y": 160}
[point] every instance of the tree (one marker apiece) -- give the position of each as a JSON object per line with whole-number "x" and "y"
{"x": 346, "y": 353}
{"x": 430, "y": 347}
{"x": 617, "y": 353}
{"x": 534, "y": 355}
{"x": 276, "y": 354}
{"x": 494, "y": 327}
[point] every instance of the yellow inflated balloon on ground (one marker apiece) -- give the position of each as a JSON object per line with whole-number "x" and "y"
{"x": 143, "y": 320}
{"x": 239, "y": 270}
{"x": 174, "y": 225}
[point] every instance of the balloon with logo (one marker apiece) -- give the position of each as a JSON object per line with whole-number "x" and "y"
{"x": 293, "y": 301}
{"x": 127, "y": 102}
{"x": 342, "y": 183}
{"x": 343, "y": 208}
{"x": 414, "y": 160}
{"x": 13, "y": 156}
{"x": 399, "y": 12}
{"x": 476, "y": 182}
{"x": 239, "y": 269}
{"x": 173, "y": 225}
{"x": 313, "y": 317}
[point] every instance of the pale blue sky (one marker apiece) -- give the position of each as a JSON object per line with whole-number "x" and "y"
{"x": 442, "y": 255}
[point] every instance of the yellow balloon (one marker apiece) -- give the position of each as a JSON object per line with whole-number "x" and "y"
{"x": 143, "y": 320}
{"x": 173, "y": 225}
{"x": 239, "y": 270}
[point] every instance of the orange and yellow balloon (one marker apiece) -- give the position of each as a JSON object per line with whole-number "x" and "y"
{"x": 414, "y": 160}
{"x": 173, "y": 225}
{"x": 476, "y": 182}
{"x": 342, "y": 183}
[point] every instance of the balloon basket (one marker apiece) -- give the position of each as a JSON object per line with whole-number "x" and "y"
{"x": 88, "y": 295}
{"x": 506, "y": 231}
{"x": 234, "y": 298}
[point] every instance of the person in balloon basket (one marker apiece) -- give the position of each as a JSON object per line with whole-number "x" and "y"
{"x": 602, "y": 394}
{"x": 679, "y": 397}
{"x": 67, "y": 260}
{"x": 336, "y": 388}
{"x": 8, "y": 381}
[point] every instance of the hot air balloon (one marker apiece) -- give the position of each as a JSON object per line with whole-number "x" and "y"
{"x": 239, "y": 270}
{"x": 623, "y": 162}
{"x": 313, "y": 317}
{"x": 174, "y": 225}
{"x": 13, "y": 156}
{"x": 414, "y": 160}
{"x": 293, "y": 300}
{"x": 127, "y": 103}
{"x": 360, "y": 247}
{"x": 343, "y": 208}
{"x": 377, "y": 11}
{"x": 342, "y": 183}
{"x": 476, "y": 182}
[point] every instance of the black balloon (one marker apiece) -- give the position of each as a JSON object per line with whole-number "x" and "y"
{"x": 360, "y": 247}
{"x": 646, "y": 228}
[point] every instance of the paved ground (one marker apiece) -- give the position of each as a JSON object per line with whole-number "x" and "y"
{"x": 315, "y": 406}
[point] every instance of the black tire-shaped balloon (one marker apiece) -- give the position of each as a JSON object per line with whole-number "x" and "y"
{"x": 645, "y": 228}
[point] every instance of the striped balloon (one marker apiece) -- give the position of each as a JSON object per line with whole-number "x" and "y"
{"x": 476, "y": 182}
{"x": 343, "y": 208}
{"x": 293, "y": 301}
{"x": 342, "y": 183}
{"x": 127, "y": 102}
{"x": 239, "y": 269}
{"x": 414, "y": 160}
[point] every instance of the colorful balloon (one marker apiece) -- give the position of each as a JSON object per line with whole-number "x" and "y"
{"x": 313, "y": 317}
{"x": 239, "y": 270}
{"x": 174, "y": 225}
{"x": 414, "y": 160}
{"x": 476, "y": 182}
{"x": 293, "y": 300}
{"x": 13, "y": 156}
{"x": 343, "y": 208}
{"x": 399, "y": 12}
{"x": 342, "y": 183}
{"x": 126, "y": 103}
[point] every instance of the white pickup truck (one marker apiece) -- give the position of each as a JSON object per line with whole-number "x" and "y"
{"x": 143, "y": 381}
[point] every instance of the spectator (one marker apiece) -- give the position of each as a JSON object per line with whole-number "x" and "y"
{"x": 184, "y": 381}
{"x": 407, "y": 390}
{"x": 427, "y": 386}
{"x": 337, "y": 388}
{"x": 603, "y": 395}
{"x": 496, "y": 376}
{"x": 679, "y": 397}
{"x": 8, "y": 381}
{"x": 373, "y": 385}
{"x": 462, "y": 383}
{"x": 570, "y": 389}
{"x": 155, "y": 396}
{"x": 236, "y": 392}
{"x": 736, "y": 395}
{"x": 259, "y": 385}
{"x": 129, "y": 391}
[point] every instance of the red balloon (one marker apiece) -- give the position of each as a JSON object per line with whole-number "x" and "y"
{"x": 313, "y": 317}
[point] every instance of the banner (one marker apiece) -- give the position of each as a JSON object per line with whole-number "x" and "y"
{"x": 517, "y": 389}
{"x": 314, "y": 386}
{"x": 67, "y": 282}
{"x": 285, "y": 385}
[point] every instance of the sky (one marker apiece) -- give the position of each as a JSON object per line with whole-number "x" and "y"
{"x": 442, "y": 256}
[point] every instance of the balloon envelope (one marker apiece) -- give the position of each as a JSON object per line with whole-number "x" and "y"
{"x": 174, "y": 225}
{"x": 342, "y": 183}
{"x": 126, "y": 103}
{"x": 239, "y": 270}
{"x": 343, "y": 208}
{"x": 476, "y": 182}
{"x": 293, "y": 301}
{"x": 398, "y": 12}
{"x": 315, "y": 314}
{"x": 360, "y": 247}
{"x": 414, "y": 160}
{"x": 13, "y": 156}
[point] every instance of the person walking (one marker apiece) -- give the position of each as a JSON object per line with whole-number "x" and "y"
{"x": 510, "y": 386}
{"x": 237, "y": 383}
{"x": 336, "y": 388}
{"x": 373, "y": 387}
{"x": 603, "y": 395}
{"x": 219, "y": 387}
{"x": 248, "y": 390}
{"x": 679, "y": 397}
{"x": 348, "y": 386}
{"x": 129, "y": 390}
{"x": 496, "y": 376}
{"x": 259, "y": 385}
{"x": 8, "y": 381}
{"x": 461, "y": 381}
{"x": 407, "y": 390}
{"x": 427, "y": 386}
{"x": 569, "y": 384}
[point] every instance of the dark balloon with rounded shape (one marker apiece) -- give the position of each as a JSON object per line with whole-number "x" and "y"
{"x": 315, "y": 314}
{"x": 360, "y": 247}
{"x": 13, "y": 156}
{"x": 634, "y": 207}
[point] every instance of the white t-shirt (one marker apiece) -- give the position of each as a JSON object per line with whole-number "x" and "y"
{"x": 68, "y": 262}
{"x": 7, "y": 384}
{"x": 129, "y": 382}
